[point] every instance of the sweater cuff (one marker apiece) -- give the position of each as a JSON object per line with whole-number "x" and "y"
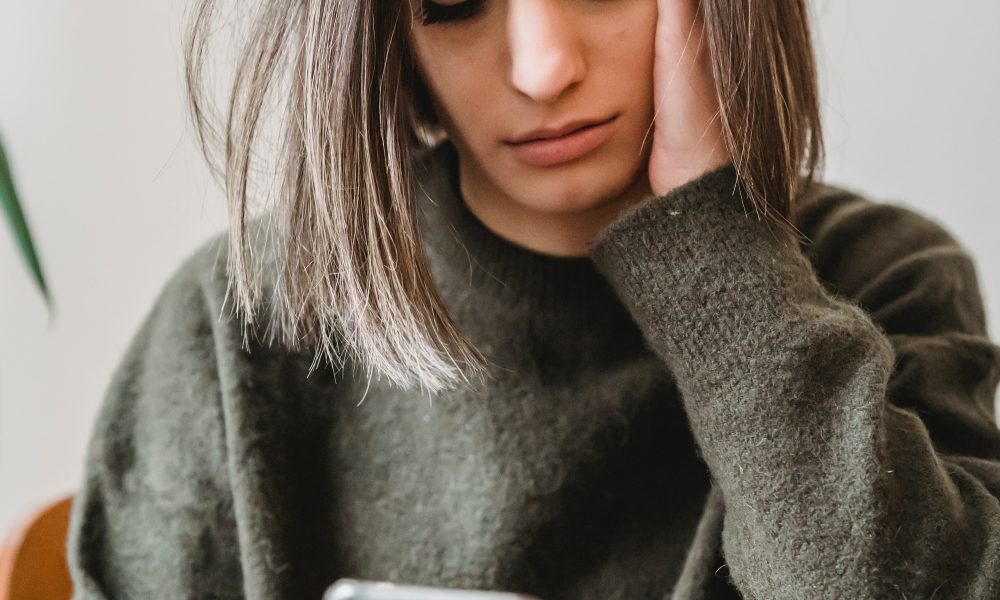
{"x": 705, "y": 278}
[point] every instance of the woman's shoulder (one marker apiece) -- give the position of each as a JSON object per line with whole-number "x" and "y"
{"x": 206, "y": 271}
{"x": 857, "y": 241}
{"x": 201, "y": 293}
{"x": 208, "y": 262}
{"x": 831, "y": 207}
{"x": 190, "y": 328}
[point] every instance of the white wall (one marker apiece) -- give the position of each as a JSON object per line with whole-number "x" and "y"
{"x": 91, "y": 109}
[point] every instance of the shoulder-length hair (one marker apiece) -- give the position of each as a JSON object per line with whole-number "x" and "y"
{"x": 352, "y": 280}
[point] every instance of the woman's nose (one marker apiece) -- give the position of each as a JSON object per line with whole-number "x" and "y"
{"x": 545, "y": 53}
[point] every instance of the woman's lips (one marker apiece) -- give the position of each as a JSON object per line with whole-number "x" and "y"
{"x": 558, "y": 150}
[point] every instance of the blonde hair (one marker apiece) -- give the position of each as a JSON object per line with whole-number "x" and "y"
{"x": 353, "y": 282}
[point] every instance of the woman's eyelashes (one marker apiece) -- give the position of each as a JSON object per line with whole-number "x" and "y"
{"x": 432, "y": 12}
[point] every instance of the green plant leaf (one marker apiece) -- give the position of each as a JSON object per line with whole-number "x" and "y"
{"x": 18, "y": 224}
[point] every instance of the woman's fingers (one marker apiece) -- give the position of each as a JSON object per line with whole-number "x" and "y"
{"x": 687, "y": 137}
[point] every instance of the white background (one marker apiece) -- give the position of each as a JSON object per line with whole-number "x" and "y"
{"x": 91, "y": 109}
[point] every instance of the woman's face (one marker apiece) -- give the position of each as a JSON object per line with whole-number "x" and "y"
{"x": 517, "y": 65}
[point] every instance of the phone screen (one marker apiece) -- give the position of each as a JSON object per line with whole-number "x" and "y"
{"x": 356, "y": 589}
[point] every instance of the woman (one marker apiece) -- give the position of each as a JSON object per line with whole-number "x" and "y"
{"x": 658, "y": 359}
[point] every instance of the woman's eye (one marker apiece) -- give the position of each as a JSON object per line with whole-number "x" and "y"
{"x": 432, "y": 12}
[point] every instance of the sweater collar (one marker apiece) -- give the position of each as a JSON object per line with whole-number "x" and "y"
{"x": 493, "y": 264}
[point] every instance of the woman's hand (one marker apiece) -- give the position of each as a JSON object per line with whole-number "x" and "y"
{"x": 687, "y": 139}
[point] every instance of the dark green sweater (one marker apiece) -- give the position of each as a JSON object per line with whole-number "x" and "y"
{"x": 704, "y": 405}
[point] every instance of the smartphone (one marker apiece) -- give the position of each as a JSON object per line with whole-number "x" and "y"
{"x": 356, "y": 589}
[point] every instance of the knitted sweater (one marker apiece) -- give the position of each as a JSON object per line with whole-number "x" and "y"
{"x": 702, "y": 408}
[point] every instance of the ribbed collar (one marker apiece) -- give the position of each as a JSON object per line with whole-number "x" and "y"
{"x": 493, "y": 264}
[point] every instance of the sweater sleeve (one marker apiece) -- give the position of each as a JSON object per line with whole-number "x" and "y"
{"x": 850, "y": 430}
{"x": 153, "y": 517}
